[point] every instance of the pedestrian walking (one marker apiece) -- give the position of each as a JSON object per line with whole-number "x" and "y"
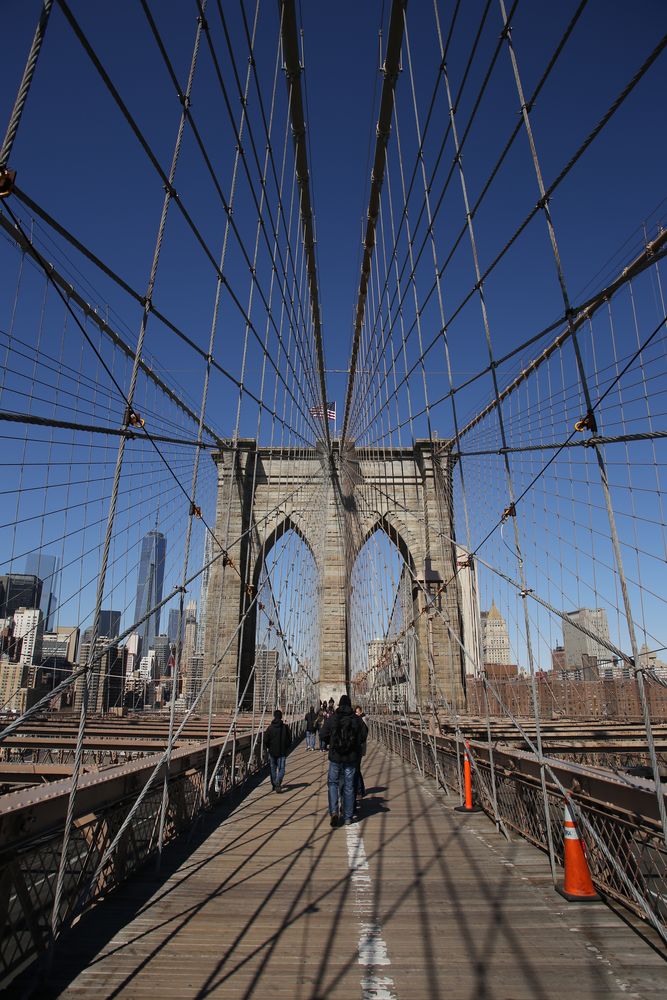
{"x": 343, "y": 732}
{"x": 312, "y": 726}
{"x": 277, "y": 741}
{"x": 359, "y": 785}
{"x": 322, "y": 717}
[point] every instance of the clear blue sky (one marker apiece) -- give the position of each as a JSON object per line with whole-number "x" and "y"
{"x": 76, "y": 157}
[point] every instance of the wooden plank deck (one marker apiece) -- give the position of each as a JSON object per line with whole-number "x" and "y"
{"x": 413, "y": 902}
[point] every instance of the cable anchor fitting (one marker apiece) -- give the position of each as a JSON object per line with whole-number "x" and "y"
{"x": 7, "y": 181}
{"x": 195, "y": 511}
{"x": 132, "y": 419}
{"x": 510, "y": 511}
{"x": 587, "y": 423}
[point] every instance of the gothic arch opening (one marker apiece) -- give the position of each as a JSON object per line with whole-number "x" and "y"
{"x": 281, "y": 636}
{"x": 382, "y": 606}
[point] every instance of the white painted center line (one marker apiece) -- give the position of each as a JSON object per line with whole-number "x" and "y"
{"x": 372, "y": 946}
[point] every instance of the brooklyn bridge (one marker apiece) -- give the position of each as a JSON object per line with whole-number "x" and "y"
{"x": 334, "y": 352}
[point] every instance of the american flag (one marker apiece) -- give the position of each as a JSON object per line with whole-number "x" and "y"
{"x": 318, "y": 411}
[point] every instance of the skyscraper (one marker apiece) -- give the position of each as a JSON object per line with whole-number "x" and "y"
{"x": 29, "y": 627}
{"x": 578, "y": 644}
{"x": 194, "y": 678}
{"x": 106, "y": 680}
{"x": 109, "y": 626}
{"x": 149, "y": 586}
{"x": 19, "y": 590}
{"x": 59, "y": 650}
{"x": 190, "y": 636}
{"x": 47, "y": 568}
{"x": 203, "y": 594}
{"x": 162, "y": 649}
{"x": 172, "y": 625}
{"x": 495, "y": 637}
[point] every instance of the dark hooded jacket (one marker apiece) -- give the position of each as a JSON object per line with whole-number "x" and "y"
{"x": 312, "y": 723}
{"x": 344, "y": 717}
{"x": 278, "y": 738}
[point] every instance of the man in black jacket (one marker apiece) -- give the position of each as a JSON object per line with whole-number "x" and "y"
{"x": 277, "y": 741}
{"x": 312, "y": 726}
{"x": 345, "y": 733}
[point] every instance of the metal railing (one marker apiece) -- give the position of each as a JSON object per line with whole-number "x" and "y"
{"x": 31, "y": 836}
{"x": 618, "y": 815}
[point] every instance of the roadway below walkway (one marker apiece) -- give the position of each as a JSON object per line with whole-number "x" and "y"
{"x": 414, "y": 902}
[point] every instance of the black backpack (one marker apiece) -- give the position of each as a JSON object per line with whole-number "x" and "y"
{"x": 345, "y": 737}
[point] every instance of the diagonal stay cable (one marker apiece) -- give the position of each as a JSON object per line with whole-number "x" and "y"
{"x": 390, "y": 70}
{"x": 24, "y": 242}
{"x": 419, "y": 158}
{"x": 576, "y": 156}
{"x": 168, "y": 185}
{"x": 131, "y": 412}
{"x": 227, "y": 208}
{"x": 269, "y": 148}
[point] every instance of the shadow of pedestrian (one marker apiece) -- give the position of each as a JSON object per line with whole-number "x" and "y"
{"x": 373, "y": 806}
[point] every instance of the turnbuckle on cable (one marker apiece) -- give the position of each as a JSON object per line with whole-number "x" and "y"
{"x": 587, "y": 423}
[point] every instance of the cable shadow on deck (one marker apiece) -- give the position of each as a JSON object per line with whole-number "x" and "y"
{"x": 268, "y": 899}
{"x": 81, "y": 946}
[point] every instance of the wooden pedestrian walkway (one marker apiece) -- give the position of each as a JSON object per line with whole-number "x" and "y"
{"x": 413, "y": 902}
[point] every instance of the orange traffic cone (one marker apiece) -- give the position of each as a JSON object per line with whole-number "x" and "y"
{"x": 577, "y": 885}
{"x": 468, "y": 807}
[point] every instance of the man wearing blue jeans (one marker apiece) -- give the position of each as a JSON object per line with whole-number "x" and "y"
{"x": 311, "y": 728}
{"x": 277, "y": 741}
{"x": 342, "y": 731}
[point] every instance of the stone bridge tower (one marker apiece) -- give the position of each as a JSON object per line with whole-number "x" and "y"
{"x": 405, "y": 492}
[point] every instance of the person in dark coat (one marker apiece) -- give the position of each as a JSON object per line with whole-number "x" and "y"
{"x": 344, "y": 733}
{"x": 322, "y": 717}
{"x": 277, "y": 741}
{"x": 312, "y": 725}
{"x": 359, "y": 786}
